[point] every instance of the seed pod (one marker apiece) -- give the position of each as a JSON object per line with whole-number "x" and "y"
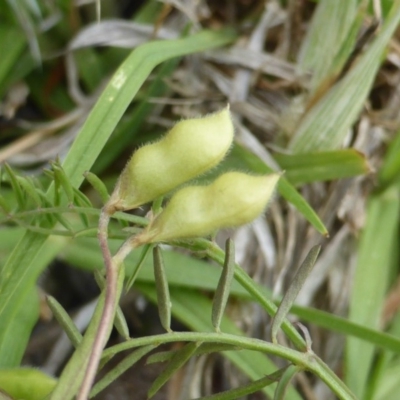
{"x": 233, "y": 199}
{"x": 189, "y": 149}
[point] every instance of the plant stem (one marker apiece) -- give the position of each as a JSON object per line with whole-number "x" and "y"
{"x": 108, "y": 310}
{"x": 73, "y": 209}
{"x": 112, "y": 264}
{"x": 305, "y": 360}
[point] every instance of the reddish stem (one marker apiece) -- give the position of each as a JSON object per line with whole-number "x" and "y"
{"x": 108, "y": 310}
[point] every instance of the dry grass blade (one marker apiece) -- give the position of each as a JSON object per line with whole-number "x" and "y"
{"x": 325, "y": 126}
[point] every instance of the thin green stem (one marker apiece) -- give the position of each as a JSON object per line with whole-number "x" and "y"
{"x": 306, "y": 360}
{"x": 72, "y": 209}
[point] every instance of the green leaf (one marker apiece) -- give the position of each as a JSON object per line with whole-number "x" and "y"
{"x": 322, "y": 166}
{"x": 373, "y": 270}
{"x": 224, "y": 285}
{"x": 179, "y": 359}
{"x": 293, "y": 290}
{"x": 389, "y": 385}
{"x": 15, "y": 336}
{"x": 343, "y": 326}
{"x": 26, "y": 383}
{"x": 24, "y": 308}
{"x": 119, "y": 369}
{"x": 65, "y": 321}
{"x": 30, "y": 190}
{"x": 162, "y": 289}
{"x": 284, "y": 382}
{"x": 63, "y": 181}
{"x": 97, "y": 185}
{"x": 16, "y": 187}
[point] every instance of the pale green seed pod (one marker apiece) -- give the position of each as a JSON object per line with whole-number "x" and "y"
{"x": 232, "y": 200}
{"x": 189, "y": 149}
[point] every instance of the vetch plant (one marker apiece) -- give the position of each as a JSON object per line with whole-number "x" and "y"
{"x": 154, "y": 170}
{"x": 189, "y": 149}
{"x": 193, "y": 212}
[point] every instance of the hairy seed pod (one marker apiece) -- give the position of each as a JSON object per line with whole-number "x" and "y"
{"x": 232, "y": 200}
{"x": 189, "y": 149}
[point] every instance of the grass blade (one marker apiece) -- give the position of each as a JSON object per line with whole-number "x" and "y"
{"x": 26, "y": 383}
{"x": 325, "y": 126}
{"x": 330, "y": 26}
{"x": 12, "y": 44}
{"x": 24, "y": 310}
{"x": 322, "y": 166}
{"x": 374, "y": 267}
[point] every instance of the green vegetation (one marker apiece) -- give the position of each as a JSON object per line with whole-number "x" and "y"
{"x": 313, "y": 97}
